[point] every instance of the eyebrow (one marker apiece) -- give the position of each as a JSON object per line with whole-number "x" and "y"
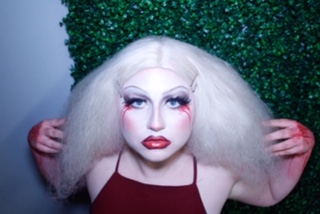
{"x": 140, "y": 91}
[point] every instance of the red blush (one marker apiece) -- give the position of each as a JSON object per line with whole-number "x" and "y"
{"x": 125, "y": 109}
{"x": 126, "y": 119}
{"x": 186, "y": 109}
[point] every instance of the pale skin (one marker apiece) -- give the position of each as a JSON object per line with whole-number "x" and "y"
{"x": 172, "y": 166}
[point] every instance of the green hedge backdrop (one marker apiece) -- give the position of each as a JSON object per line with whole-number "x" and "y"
{"x": 274, "y": 44}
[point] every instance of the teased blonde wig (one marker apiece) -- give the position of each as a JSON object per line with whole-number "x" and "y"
{"x": 228, "y": 121}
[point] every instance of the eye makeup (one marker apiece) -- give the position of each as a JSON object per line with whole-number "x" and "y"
{"x": 134, "y": 102}
{"x": 178, "y": 101}
{"x": 173, "y": 98}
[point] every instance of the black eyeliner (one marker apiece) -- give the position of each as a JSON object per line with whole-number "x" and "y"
{"x": 181, "y": 99}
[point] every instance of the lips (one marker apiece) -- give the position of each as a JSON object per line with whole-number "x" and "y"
{"x": 155, "y": 142}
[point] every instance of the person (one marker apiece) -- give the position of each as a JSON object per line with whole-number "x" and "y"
{"x": 165, "y": 127}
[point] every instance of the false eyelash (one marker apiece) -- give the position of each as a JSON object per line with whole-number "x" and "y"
{"x": 182, "y": 100}
{"x": 129, "y": 101}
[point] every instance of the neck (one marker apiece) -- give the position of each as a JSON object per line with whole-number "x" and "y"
{"x": 152, "y": 171}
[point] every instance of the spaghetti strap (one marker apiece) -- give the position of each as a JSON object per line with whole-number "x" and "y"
{"x": 118, "y": 162}
{"x": 119, "y": 189}
{"x": 195, "y": 170}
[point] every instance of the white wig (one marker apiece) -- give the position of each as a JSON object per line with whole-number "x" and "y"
{"x": 228, "y": 121}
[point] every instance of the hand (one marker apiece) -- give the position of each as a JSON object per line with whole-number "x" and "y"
{"x": 46, "y": 136}
{"x": 295, "y": 139}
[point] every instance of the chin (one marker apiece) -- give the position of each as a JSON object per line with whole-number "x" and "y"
{"x": 157, "y": 155}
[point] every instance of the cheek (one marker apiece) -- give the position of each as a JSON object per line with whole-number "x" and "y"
{"x": 186, "y": 110}
{"x": 185, "y": 123}
{"x": 127, "y": 120}
{"x": 128, "y": 124}
{"x": 125, "y": 109}
{"x": 184, "y": 120}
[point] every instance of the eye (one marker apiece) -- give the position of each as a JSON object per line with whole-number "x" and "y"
{"x": 173, "y": 103}
{"x": 135, "y": 102}
{"x": 177, "y": 102}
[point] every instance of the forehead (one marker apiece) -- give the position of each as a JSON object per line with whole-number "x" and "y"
{"x": 156, "y": 79}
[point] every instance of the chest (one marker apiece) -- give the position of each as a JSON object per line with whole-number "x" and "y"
{"x": 123, "y": 195}
{"x": 114, "y": 193}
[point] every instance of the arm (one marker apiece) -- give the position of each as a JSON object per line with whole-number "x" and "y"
{"x": 44, "y": 140}
{"x": 295, "y": 149}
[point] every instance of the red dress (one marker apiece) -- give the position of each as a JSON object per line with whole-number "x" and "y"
{"x": 123, "y": 195}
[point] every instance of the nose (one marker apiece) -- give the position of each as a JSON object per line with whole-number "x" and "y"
{"x": 156, "y": 122}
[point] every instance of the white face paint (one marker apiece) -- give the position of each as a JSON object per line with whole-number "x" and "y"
{"x": 157, "y": 111}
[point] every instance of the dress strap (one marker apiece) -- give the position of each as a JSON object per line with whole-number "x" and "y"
{"x": 195, "y": 170}
{"x": 118, "y": 161}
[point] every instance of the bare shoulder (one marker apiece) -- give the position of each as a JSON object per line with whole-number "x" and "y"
{"x": 99, "y": 174}
{"x": 215, "y": 184}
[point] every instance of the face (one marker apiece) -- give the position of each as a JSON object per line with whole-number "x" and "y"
{"x": 157, "y": 111}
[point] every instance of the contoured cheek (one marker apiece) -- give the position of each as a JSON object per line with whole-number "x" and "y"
{"x": 180, "y": 122}
{"x": 186, "y": 110}
{"x": 133, "y": 120}
{"x": 185, "y": 124}
{"x": 127, "y": 122}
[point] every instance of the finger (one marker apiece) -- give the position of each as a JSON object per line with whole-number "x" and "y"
{"x": 293, "y": 151}
{"x": 298, "y": 131}
{"x": 286, "y": 145}
{"x": 46, "y": 150}
{"x": 292, "y": 146}
{"x": 282, "y": 134}
{"x": 53, "y": 133}
{"x": 53, "y": 144}
{"x": 297, "y": 128}
{"x": 281, "y": 123}
{"x": 56, "y": 122}
{"x": 47, "y": 142}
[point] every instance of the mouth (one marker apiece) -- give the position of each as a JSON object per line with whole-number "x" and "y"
{"x": 156, "y": 142}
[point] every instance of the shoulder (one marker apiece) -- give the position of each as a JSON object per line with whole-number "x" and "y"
{"x": 215, "y": 184}
{"x": 100, "y": 173}
{"x": 215, "y": 173}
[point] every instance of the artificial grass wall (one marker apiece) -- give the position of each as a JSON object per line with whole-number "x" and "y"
{"x": 274, "y": 44}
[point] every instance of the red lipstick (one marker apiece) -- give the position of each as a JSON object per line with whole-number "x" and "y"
{"x": 155, "y": 142}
